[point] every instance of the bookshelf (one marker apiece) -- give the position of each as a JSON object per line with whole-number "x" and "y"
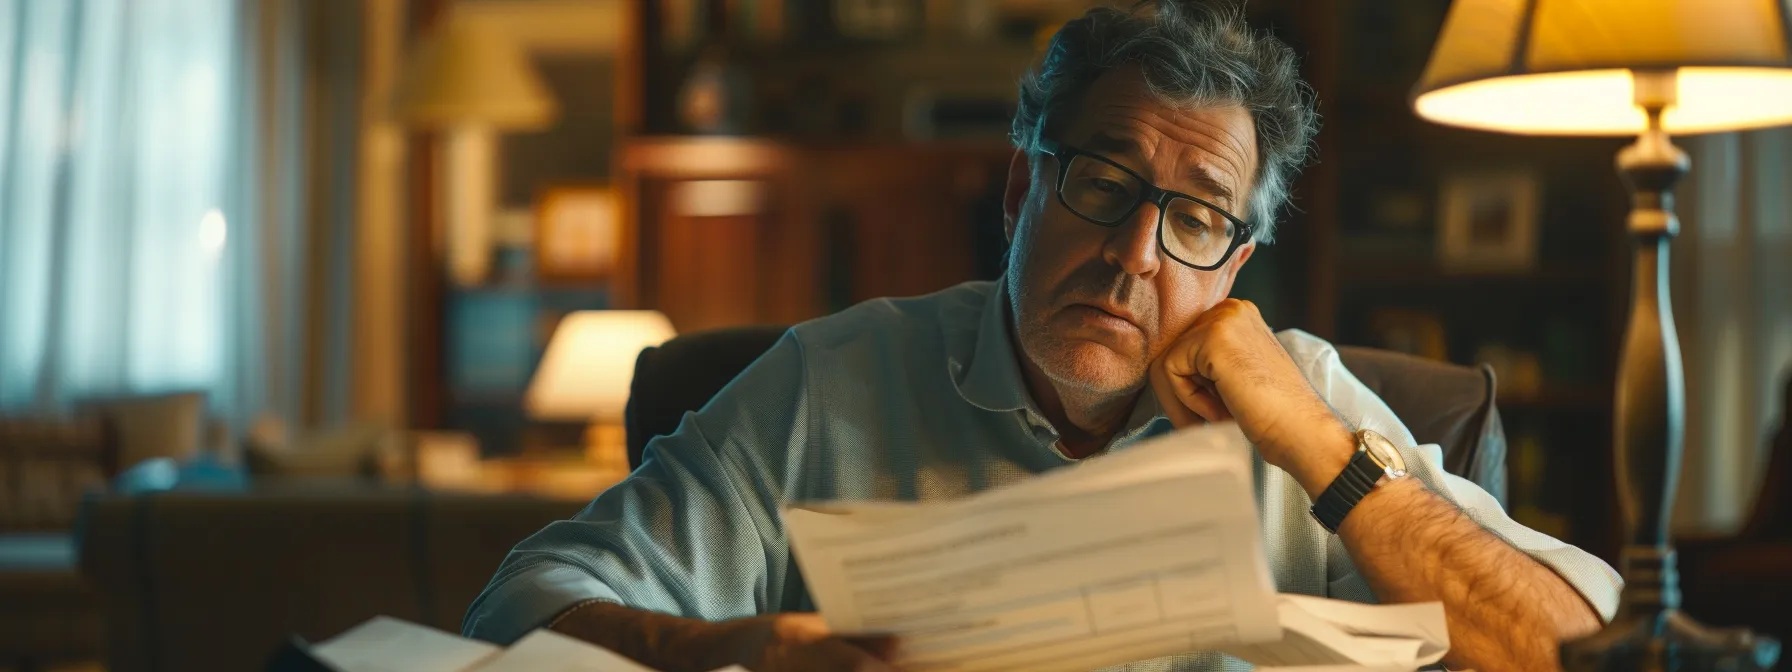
{"x": 1363, "y": 243}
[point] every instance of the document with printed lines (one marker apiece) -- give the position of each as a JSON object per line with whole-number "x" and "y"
{"x": 1152, "y": 551}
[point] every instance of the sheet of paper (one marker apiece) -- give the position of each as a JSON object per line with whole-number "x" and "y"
{"x": 1322, "y": 632}
{"x": 1217, "y": 447}
{"x": 548, "y": 651}
{"x": 1423, "y": 622}
{"x": 386, "y": 644}
{"x": 1151, "y": 551}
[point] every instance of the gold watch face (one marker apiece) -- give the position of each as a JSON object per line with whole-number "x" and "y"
{"x": 1381, "y": 450}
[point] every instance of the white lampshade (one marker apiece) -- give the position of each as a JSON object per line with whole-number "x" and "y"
{"x": 470, "y": 72}
{"x": 1563, "y": 67}
{"x": 586, "y": 371}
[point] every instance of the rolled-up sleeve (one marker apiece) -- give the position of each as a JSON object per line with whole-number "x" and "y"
{"x": 1590, "y": 576}
{"x": 1596, "y": 581}
{"x": 693, "y": 532}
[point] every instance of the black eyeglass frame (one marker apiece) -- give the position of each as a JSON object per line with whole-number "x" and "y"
{"x": 1148, "y": 193}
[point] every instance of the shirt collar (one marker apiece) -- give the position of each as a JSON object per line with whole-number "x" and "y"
{"x": 983, "y": 364}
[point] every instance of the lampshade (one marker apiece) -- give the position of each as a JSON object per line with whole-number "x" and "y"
{"x": 471, "y": 72}
{"x": 586, "y": 371}
{"x": 1562, "y": 67}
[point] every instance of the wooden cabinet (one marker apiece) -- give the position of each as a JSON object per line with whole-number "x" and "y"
{"x": 905, "y": 219}
{"x": 710, "y": 240}
{"x": 728, "y": 231}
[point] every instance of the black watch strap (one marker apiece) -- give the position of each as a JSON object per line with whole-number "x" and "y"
{"x": 1351, "y": 486}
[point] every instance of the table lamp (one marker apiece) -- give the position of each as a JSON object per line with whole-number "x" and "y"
{"x": 1646, "y": 68}
{"x": 585, "y": 375}
{"x": 470, "y": 80}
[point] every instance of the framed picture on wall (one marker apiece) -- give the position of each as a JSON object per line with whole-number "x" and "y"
{"x": 578, "y": 233}
{"x": 1488, "y": 223}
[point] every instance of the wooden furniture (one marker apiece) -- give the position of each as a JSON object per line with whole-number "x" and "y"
{"x": 705, "y": 263}
{"x": 843, "y": 205}
{"x": 875, "y": 162}
{"x": 732, "y": 231}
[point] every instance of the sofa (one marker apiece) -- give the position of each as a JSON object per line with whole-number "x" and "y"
{"x": 48, "y": 613}
{"x": 49, "y": 463}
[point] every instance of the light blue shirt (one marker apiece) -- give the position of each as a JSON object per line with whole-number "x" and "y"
{"x": 903, "y": 399}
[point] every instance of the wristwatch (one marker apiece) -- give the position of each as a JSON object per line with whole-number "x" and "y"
{"x": 1376, "y": 461}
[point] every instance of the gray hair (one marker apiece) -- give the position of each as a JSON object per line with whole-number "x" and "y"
{"x": 1192, "y": 53}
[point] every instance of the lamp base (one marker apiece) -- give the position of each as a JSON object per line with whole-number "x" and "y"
{"x": 1669, "y": 642}
{"x": 1650, "y": 635}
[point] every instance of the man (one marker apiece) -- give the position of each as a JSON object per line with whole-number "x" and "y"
{"x": 1154, "y": 150}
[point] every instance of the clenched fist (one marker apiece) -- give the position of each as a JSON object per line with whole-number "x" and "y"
{"x": 1228, "y": 365}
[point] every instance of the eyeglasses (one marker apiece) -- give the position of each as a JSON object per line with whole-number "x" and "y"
{"x": 1200, "y": 234}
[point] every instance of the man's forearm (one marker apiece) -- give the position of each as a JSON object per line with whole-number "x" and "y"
{"x": 1506, "y": 611}
{"x": 660, "y": 641}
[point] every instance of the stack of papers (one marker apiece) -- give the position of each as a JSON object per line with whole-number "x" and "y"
{"x": 1320, "y": 634}
{"x": 387, "y": 644}
{"x": 1148, "y": 552}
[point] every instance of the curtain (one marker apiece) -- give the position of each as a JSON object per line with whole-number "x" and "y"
{"x": 1732, "y": 277}
{"x": 145, "y": 239}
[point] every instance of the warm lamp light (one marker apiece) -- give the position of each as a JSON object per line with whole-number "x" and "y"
{"x": 586, "y": 372}
{"x": 1623, "y": 67}
{"x": 469, "y": 72}
{"x": 470, "y": 80}
{"x": 1562, "y": 67}
{"x": 589, "y": 364}
{"x": 1599, "y": 102}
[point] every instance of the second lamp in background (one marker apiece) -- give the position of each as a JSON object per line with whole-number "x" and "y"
{"x": 586, "y": 372}
{"x": 470, "y": 80}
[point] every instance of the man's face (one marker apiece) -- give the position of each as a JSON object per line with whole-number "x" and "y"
{"x": 1094, "y": 305}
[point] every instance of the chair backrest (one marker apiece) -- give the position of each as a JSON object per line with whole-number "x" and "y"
{"x": 682, "y": 374}
{"x": 1446, "y": 404}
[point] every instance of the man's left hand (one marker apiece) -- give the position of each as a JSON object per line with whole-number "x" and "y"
{"x": 1228, "y": 365}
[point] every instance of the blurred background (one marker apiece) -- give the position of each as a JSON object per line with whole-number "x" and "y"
{"x": 251, "y": 243}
